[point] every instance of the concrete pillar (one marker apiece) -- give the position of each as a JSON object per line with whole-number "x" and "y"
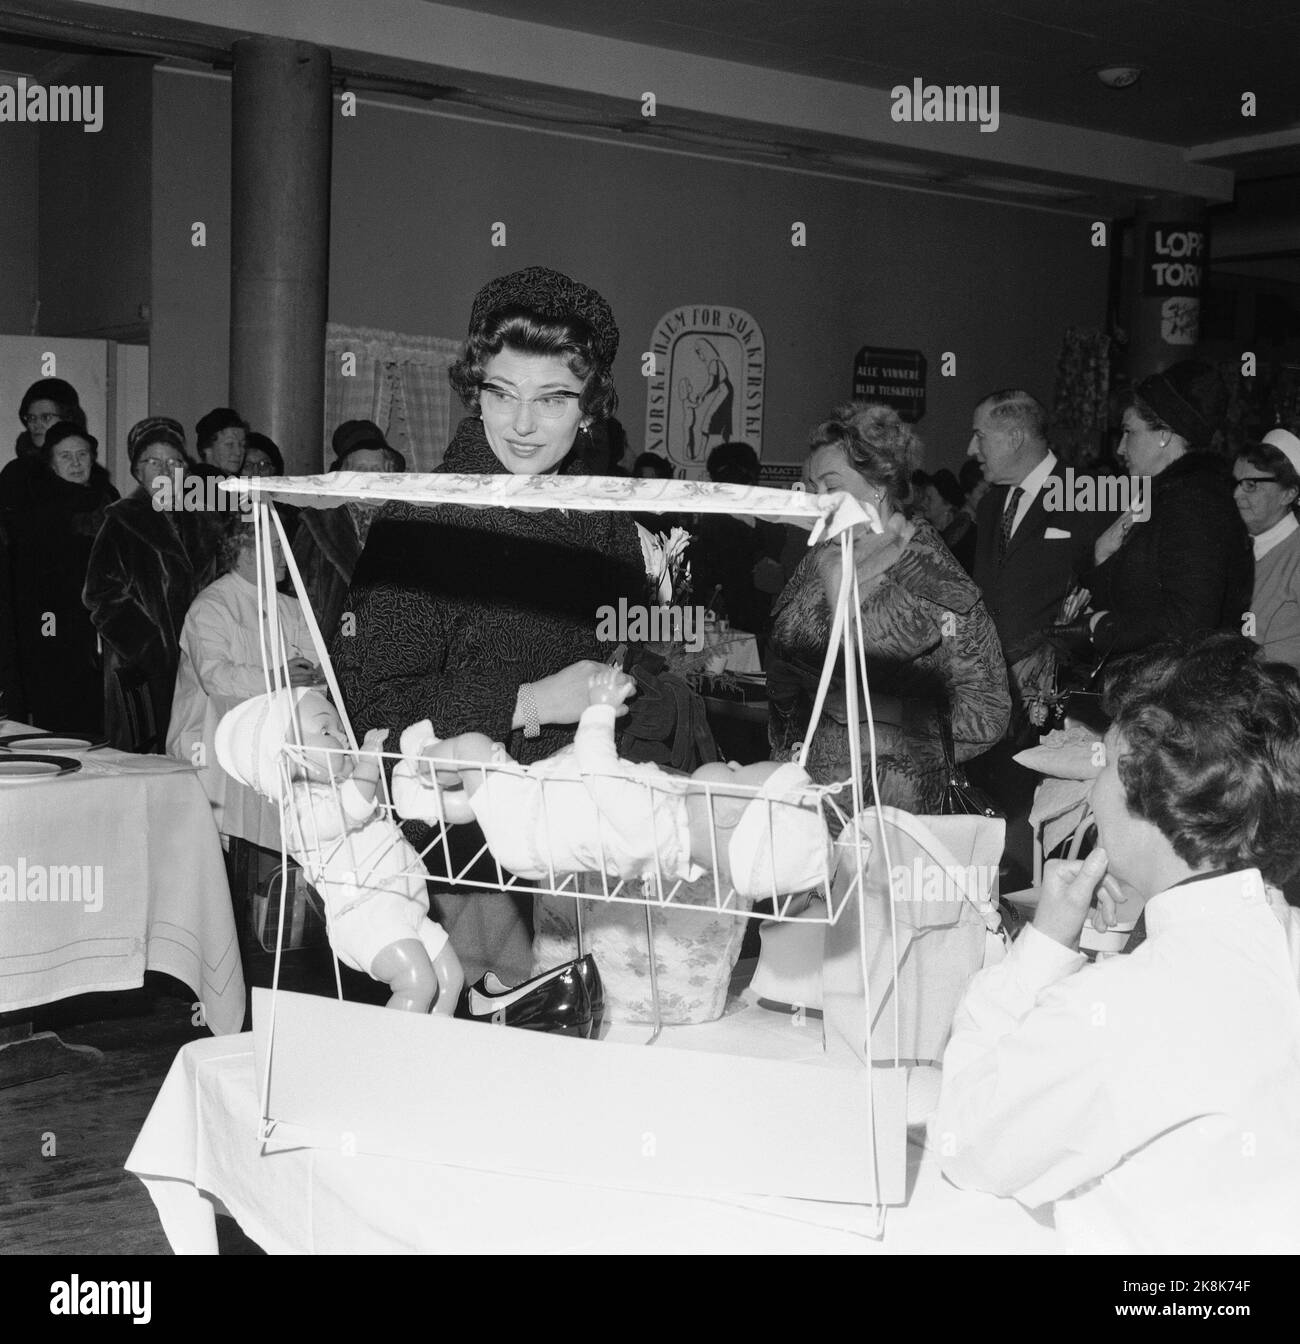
{"x": 279, "y": 271}
{"x": 1170, "y": 249}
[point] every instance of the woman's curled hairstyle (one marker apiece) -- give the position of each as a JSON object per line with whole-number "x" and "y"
{"x": 237, "y": 536}
{"x": 1212, "y": 752}
{"x": 879, "y": 446}
{"x": 521, "y": 328}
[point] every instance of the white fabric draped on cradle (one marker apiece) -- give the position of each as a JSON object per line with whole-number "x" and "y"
{"x": 399, "y": 382}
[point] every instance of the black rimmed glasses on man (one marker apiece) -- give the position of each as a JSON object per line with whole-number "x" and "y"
{"x": 1252, "y": 483}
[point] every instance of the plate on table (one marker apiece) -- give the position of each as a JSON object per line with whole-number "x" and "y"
{"x": 25, "y": 768}
{"x": 52, "y": 742}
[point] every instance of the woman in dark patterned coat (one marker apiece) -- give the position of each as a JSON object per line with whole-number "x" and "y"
{"x": 930, "y": 643}
{"x": 485, "y": 620}
{"x": 1183, "y": 566}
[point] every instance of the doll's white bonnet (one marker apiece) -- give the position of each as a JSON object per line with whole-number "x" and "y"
{"x": 249, "y": 738}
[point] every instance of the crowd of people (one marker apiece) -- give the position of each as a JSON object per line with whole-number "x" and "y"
{"x": 986, "y": 597}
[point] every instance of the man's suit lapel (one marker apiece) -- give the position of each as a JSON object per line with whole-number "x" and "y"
{"x": 988, "y": 517}
{"x": 1031, "y": 525}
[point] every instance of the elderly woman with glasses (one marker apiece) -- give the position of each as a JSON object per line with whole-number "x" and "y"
{"x": 485, "y": 620}
{"x": 46, "y": 403}
{"x": 1267, "y": 488}
{"x": 146, "y": 566}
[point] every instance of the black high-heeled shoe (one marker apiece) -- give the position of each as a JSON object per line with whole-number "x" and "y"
{"x": 554, "y": 1001}
{"x": 492, "y": 986}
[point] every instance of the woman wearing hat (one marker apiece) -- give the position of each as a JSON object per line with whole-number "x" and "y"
{"x": 1179, "y": 563}
{"x": 46, "y": 403}
{"x": 329, "y": 542}
{"x": 145, "y": 568}
{"x": 50, "y": 538}
{"x": 1268, "y": 485}
{"x": 484, "y": 620}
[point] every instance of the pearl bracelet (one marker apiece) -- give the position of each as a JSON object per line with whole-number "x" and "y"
{"x": 528, "y": 711}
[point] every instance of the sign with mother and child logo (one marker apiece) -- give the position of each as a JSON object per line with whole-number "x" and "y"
{"x": 706, "y": 386}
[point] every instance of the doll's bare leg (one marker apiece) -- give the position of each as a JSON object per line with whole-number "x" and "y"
{"x": 405, "y": 967}
{"x": 451, "y": 980}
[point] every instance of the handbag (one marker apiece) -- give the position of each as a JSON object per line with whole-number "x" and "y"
{"x": 960, "y": 797}
{"x": 304, "y": 917}
{"x": 666, "y": 723}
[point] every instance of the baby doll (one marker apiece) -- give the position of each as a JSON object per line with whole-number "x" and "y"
{"x": 586, "y": 810}
{"x": 367, "y": 875}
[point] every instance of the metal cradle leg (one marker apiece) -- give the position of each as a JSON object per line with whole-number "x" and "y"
{"x": 654, "y": 974}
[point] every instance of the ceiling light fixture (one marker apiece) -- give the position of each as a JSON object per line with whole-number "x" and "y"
{"x": 1119, "y": 76}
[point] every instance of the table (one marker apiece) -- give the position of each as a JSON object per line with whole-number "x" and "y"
{"x": 198, "y": 1153}
{"x": 150, "y": 889}
{"x": 730, "y": 650}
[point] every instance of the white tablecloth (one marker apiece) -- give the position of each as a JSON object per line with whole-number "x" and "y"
{"x": 143, "y": 828}
{"x": 199, "y": 1146}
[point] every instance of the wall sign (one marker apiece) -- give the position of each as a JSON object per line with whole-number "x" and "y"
{"x": 1173, "y": 268}
{"x": 781, "y": 475}
{"x": 707, "y": 388}
{"x": 1175, "y": 259}
{"x": 893, "y": 377}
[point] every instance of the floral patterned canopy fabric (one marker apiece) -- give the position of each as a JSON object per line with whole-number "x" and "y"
{"x": 825, "y": 515}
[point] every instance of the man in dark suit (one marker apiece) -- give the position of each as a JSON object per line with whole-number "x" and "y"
{"x": 1033, "y": 544}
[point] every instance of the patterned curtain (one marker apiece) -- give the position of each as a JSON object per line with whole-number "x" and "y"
{"x": 1258, "y": 404}
{"x": 398, "y": 381}
{"x": 1079, "y": 406}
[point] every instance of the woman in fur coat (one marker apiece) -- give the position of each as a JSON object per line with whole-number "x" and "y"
{"x": 484, "y": 620}
{"x": 146, "y": 565}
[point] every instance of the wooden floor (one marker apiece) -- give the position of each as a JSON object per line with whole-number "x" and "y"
{"x": 78, "y": 1199}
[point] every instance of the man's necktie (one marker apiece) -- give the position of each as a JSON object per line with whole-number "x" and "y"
{"x": 1008, "y": 519}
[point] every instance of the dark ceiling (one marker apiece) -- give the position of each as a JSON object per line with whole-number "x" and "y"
{"x": 1199, "y": 56}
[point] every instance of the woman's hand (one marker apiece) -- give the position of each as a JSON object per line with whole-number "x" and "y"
{"x": 303, "y": 673}
{"x": 1113, "y": 537}
{"x": 563, "y": 695}
{"x": 1068, "y": 889}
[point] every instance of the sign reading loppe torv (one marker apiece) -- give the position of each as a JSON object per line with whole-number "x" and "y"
{"x": 1175, "y": 260}
{"x": 893, "y": 377}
